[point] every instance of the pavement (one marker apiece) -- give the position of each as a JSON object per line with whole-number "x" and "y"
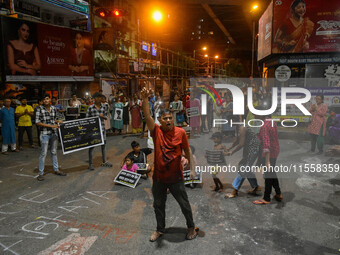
{"x": 87, "y": 213}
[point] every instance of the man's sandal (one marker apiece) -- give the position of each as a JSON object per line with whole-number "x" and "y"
{"x": 60, "y": 173}
{"x": 40, "y": 178}
{"x": 106, "y": 164}
{"x": 254, "y": 190}
{"x": 278, "y": 198}
{"x": 192, "y": 233}
{"x": 155, "y": 235}
{"x": 231, "y": 195}
{"x": 260, "y": 202}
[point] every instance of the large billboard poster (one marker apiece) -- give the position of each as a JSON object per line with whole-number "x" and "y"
{"x": 265, "y": 33}
{"x": 306, "y": 26}
{"x": 39, "y": 52}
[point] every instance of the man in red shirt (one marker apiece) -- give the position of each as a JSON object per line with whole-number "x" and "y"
{"x": 270, "y": 149}
{"x": 169, "y": 141}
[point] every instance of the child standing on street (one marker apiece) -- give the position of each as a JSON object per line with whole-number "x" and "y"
{"x": 218, "y": 146}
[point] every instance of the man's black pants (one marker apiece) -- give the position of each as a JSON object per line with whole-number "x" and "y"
{"x": 178, "y": 191}
{"x": 270, "y": 180}
{"x": 21, "y": 131}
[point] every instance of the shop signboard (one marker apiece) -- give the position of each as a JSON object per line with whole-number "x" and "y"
{"x": 26, "y": 7}
{"x": 71, "y": 5}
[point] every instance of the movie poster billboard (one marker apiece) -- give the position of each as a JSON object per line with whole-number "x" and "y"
{"x": 306, "y": 26}
{"x": 40, "y": 52}
{"x": 265, "y": 33}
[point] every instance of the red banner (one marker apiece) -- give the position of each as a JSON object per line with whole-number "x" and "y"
{"x": 40, "y": 52}
{"x": 306, "y": 26}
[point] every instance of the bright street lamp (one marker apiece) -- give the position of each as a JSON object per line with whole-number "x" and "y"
{"x": 157, "y": 16}
{"x": 216, "y": 56}
{"x": 204, "y": 48}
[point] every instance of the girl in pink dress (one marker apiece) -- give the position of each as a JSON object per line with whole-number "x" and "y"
{"x": 129, "y": 165}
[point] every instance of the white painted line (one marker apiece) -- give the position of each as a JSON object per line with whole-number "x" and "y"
{"x": 330, "y": 224}
{"x": 73, "y": 229}
{"x": 26, "y": 175}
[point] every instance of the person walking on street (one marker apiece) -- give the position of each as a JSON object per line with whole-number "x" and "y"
{"x": 169, "y": 142}
{"x": 247, "y": 139}
{"x": 46, "y": 119}
{"x": 7, "y": 119}
{"x": 269, "y": 149}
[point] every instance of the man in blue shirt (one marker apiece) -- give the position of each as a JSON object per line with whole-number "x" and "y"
{"x": 7, "y": 118}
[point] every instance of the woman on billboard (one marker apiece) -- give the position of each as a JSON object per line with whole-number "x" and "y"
{"x": 292, "y": 36}
{"x": 80, "y": 57}
{"x": 23, "y": 56}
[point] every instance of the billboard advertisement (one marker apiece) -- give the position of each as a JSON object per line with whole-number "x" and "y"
{"x": 306, "y": 26}
{"x": 39, "y": 52}
{"x": 265, "y": 33}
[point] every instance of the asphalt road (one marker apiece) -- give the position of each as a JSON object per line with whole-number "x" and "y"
{"x": 86, "y": 213}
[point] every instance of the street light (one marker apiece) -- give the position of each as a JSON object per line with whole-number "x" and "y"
{"x": 157, "y": 16}
{"x": 255, "y": 7}
{"x": 216, "y": 57}
{"x": 204, "y": 48}
{"x": 207, "y": 56}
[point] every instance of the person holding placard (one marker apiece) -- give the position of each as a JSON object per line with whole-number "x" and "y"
{"x": 72, "y": 111}
{"x": 176, "y": 107}
{"x": 98, "y": 110}
{"x": 169, "y": 142}
{"x": 46, "y": 119}
{"x": 117, "y": 122}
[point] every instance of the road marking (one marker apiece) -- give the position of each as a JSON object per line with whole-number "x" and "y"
{"x": 27, "y": 175}
{"x": 330, "y": 224}
{"x": 72, "y": 244}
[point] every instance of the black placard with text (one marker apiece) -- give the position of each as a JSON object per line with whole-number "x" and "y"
{"x": 196, "y": 179}
{"x": 127, "y": 178}
{"x": 80, "y": 134}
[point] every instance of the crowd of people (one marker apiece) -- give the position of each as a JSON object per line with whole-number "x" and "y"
{"x": 166, "y": 123}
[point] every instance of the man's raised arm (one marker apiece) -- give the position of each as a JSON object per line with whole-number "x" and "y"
{"x": 146, "y": 110}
